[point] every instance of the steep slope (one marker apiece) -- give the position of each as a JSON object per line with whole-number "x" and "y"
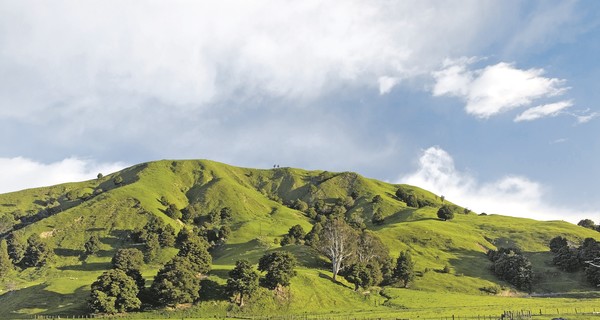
{"x": 115, "y": 205}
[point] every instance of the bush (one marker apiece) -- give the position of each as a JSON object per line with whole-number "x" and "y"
{"x": 445, "y": 213}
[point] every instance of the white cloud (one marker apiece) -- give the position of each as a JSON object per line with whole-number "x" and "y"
{"x": 387, "y": 83}
{"x": 511, "y": 195}
{"x": 496, "y": 88}
{"x": 552, "y": 109}
{"x": 585, "y": 118}
{"x": 22, "y": 173}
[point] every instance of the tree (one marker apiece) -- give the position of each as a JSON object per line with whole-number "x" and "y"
{"x": 224, "y": 233}
{"x": 300, "y": 205}
{"x": 294, "y": 235}
{"x": 566, "y": 259}
{"x": 445, "y": 213}
{"x": 511, "y": 265}
{"x": 173, "y": 212}
{"x": 377, "y": 199}
{"x": 370, "y": 248}
{"x": 176, "y": 282}
{"x": 151, "y": 247}
{"x": 118, "y": 180}
{"x": 114, "y": 292}
{"x": 587, "y": 223}
{"x": 279, "y": 267}
{"x": 37, "y": 254}
{"x": 195, "y": 250}
{"x": 558, "y": 243}
{"x": 100, "y": 176}
{"x": 16, "y": 247}
{"x": 404, "y": 270}
{"x": 337, "y": 242}
{"x": 5, "y": 262}
{"x": 92, "y": 246}
{"x": 128, "y": 259}
{"x": 226, "y": 215}
{"x": 243, "y": 281}
{"x": 166, "y": 236}
{"x": 377, "y": 218}
{"x": 359, "y": 275}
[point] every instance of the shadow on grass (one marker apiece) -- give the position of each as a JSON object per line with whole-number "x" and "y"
{"x": 330, "y": 278}
{"x": 68, "y": 252}
{"x": 93, "y": 266}
{"x": 37, "y": 300}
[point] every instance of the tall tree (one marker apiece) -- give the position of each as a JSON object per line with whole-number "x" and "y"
{"x": 279, "y": 267}
{"x": 337, "y": 241}
{"x": 195, "y": 249}
{"x": 92, "y": 245}
{"x": 37, "y": 254}
{"x": 445, "y": 213}
{"x": 16, "y": 247}
{"x": 176, "y": 282}
{"x": 114, "y": 292}
{"x": 5, "y": 262}
{"x": 359, "y": 275}
{"x": 243, "y": 281}
{"x": 404, "y": 270}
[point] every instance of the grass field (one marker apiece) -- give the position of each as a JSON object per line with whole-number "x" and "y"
{"x": 66, "y": 215}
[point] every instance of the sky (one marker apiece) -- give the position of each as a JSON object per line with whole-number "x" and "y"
{"x": 493, "y": 104}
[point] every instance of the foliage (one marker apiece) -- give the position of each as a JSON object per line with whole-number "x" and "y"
{"x": 173, "y": 212}
{"x": 177, "y": 282}
{"x": 337, "y": 242}
{"x": 566, "y": 259}
{"x": 114, "y": 292}
{"x": 511, "y": 265}
{"x": 558, "y": 243}
{"x": 587, "y": 223}
{"x": 16, "y": 247}
{"x": 128, "y": 259}
{"x": 295, "y": 235}
{"x": 445, "y": 213}
{"x": 5, "y": 262}
{"x": 92, "y": 246}
{"x": 38, "y": 252}
{"x": 243, "y": 281}
{"x": 404, "y": 271}
{"x": 195, "y": 249}
{"x": 359, "y": 275}
{"x": 279, "y": 267}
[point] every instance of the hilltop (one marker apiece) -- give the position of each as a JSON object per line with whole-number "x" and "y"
{"x": 450, "y": 256}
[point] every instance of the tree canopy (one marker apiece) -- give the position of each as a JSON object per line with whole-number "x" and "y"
{"x": 279, "y": 267}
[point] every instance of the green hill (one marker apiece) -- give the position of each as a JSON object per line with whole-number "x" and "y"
{"x": 261, "y": 202}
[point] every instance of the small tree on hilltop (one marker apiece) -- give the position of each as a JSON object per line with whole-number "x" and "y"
{"x": 92, "y": 246}
{"x": 279, "y": 267}
{"x": 114, "y": 292}
{"x": 587, "y": 223}
{"x": 445, "y": 213}
{"x": 243, "y": 281}
{"x": 404, "y": 270}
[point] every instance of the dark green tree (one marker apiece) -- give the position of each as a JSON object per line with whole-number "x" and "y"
{"x": 173, "y": 212}
{"x": 195, "y": 249}
{"x": 166, "y": 236}
{"x": 359, "y": 275}
{"x": 587, "y": 223}
{"x": 279, "y": 267}
{"x": 224, "y": 233}
{"x": 92, "y": 245}
{"x": 128, "y": 259}
{"x": 445, "y": 213}
{"x": 558, "y": 243}
{"x": 226, "y": 215}
{"x": 511, "y": 265}
{"x": 566, "y": 259}
{"x": 378, "y": 218}
{"x": 176, "y": 282}
{"x": 377, "y": 199}
{"x": 16, "y": 247}
{"x": 405, "y": 269}
{"x": 118, "y": 180}
{"x": 114, "y": 292}
{"x": 5, "y": 262}
{"x": 37, "y": 254}
{"x": 300, "y": 205}
{"x": 243, "y": 281}
{"x": 592, "y": 272}
{"x": 151, "y": 247}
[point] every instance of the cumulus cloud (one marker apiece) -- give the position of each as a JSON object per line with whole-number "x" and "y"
{"x": 21, "y": 173}
{"x": 387, "y": 83}
{"x": 496, "y": 88}
{"x": 511, "y": 195}
{"x": 552, "y": 109}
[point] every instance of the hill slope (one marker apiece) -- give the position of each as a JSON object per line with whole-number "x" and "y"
{"x": 115, "y": 205}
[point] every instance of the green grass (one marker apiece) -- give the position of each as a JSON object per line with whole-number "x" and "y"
{"x": 259, "y": 221}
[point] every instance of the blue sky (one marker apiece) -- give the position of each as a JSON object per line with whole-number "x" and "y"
{"x": 490, "y": 103}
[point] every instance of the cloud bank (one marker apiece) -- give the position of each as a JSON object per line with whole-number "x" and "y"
{"x": 511, "y": 195}
{"x": 21, "y": 173}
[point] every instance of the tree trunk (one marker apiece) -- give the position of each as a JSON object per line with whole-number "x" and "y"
{"x": 241, "y": 300}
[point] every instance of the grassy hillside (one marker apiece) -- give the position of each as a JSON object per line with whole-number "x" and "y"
{"x": 261, "y": 201}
